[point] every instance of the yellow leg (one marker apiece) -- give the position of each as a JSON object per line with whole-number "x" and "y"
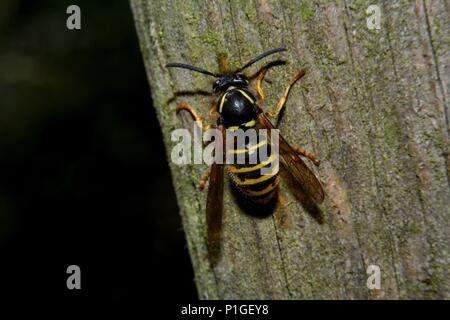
{"x": 198, "y": 118}
{"x": 212, "y": 110}
{"x": 205, "y": 179}
{"x": 194, "y": 115}
{"x": 209, "y": 126}
{"x": 307, "y": 154}
{"x": 191, "y": 110}
{"x": 259, "y": 80}
{"x": 282, "y": 101}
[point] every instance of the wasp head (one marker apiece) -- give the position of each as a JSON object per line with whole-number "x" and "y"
{"x": 230, "y": 80}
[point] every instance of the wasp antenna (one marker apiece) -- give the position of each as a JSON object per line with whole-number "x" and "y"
{"x": 192, "y": 68}
{"x": 261, "y": 56}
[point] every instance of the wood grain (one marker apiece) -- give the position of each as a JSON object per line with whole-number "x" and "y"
{"x": 373, "y": 106}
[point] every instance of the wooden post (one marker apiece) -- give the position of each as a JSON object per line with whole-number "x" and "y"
{"x": 372, "y": 106}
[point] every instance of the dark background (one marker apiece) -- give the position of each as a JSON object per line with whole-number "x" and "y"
{"x": 84, "y": 177}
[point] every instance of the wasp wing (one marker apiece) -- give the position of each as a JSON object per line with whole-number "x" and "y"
{"x": 295, "y": 165}
{"x": 214, "y": 204}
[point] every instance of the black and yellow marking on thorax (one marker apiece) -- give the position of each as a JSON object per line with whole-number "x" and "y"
{"x": 224, "y": 96}
{"x": 237, "y": 107}
{"x": 247, "y": 96}
{"x": 222, "y": 101}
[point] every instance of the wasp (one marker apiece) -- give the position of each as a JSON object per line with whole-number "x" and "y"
{"x": 237, "y": 108}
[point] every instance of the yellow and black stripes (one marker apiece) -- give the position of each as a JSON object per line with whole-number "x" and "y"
{"x": 248, "y": 149}
{"x": 248, "y": 124}
{"x": 252, "y": 153}
{"x": 249, "y": 178}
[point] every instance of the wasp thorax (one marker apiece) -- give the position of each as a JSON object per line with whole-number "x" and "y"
{"x": 237, "y": 107}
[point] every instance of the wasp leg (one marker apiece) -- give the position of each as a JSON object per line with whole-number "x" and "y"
{"x": 306, "y": 154}
{"x": 259, "y": 80}
{"x": 198, "y": 119}
{"x": 205, "y": 178}
{"x": 209, "y": 126}
{"x": 282, "y": 101}
{"x": 191, "y": 110}
{"x": 212, "y": 110}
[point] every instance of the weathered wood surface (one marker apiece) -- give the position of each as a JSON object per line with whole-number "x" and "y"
{"x": 372, "y": 106}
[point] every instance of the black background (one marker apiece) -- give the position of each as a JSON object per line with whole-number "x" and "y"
{"x": 84, "y": 177}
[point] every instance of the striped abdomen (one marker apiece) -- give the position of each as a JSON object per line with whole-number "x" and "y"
{"x": 247, "y": 177}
